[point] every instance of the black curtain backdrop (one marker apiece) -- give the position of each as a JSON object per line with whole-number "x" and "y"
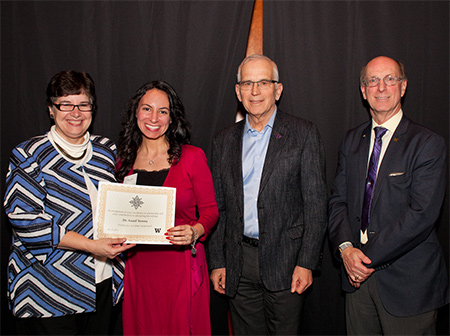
{"x": 320, "y": 47}
{"x": 196, "y": 46}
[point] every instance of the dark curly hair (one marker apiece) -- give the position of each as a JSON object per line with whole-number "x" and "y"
{"x": 130, "y": 137}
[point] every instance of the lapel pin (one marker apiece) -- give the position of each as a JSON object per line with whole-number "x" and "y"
{"x": 396, "y": 139}
{"x": 278, "y": 136}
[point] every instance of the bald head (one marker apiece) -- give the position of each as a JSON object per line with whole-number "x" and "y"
{"x": 400, "y": 67}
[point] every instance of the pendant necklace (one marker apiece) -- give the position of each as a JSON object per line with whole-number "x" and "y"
{"x": 152, "y": 162}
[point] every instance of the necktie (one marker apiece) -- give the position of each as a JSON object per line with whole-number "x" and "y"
{"x": 371, "y": 176}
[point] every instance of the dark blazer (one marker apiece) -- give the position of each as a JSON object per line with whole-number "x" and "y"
{"x": 408, "y": 195}
{"x": 291, "y": 202}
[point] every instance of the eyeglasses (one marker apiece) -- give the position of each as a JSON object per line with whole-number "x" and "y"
{"x": 70, "y": 107}
{"x": 263, "y": 84}
{"x": 388, "y": 80}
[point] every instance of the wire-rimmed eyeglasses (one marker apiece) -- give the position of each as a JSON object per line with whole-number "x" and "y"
{"x": 263, "y": 84}
{"x": 389, "y": 80}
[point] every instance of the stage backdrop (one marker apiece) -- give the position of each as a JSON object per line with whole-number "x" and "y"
{"x": 320, "y": 47}
{"x": 196, "y": 46}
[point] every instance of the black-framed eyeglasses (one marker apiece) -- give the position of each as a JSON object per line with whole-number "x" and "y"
{"x": 263, "y": 84}
{"x": 388, "y": 80}
{"x": 64, "y": 107}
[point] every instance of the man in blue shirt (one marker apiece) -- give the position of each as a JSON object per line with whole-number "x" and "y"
{"x": 269, "y": 177}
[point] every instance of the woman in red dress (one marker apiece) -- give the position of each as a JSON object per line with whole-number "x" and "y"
{"x": 166, "y": 289}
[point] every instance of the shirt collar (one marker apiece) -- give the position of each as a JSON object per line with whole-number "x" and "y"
{"x": 248, "y": 128}
{"x": 392, "y": 123}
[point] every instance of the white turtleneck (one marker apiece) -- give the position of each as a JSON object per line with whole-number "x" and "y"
{"x": 103, "y": 269}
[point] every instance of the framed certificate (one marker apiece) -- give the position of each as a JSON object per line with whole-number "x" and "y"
{"x": 142, "y": 214}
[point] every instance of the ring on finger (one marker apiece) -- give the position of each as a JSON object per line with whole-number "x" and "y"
{"x": 356, "y": 278}
{"x": 185, "y": 238}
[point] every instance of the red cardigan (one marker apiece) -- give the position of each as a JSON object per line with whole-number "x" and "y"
{"x": 192, "y": 179}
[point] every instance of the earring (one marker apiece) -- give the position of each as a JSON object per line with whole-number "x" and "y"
{"x": 52, "y": 116}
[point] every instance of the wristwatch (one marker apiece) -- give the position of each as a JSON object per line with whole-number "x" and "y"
{"x": 343, "y": 246}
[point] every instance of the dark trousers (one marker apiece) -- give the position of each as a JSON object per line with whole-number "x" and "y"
{"x": 258, "y": 311}
{"x": 96, "y": 323}
{"x": 365, "y": 315}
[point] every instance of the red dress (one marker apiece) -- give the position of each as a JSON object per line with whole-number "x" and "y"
{"x": 166, "y": 289}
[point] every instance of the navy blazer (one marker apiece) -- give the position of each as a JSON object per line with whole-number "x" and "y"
{"x": 292, "y": 203}
{"x": 409, "y": 191}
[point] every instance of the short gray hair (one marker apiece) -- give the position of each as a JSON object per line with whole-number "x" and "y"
{"x": 258, "y": 57}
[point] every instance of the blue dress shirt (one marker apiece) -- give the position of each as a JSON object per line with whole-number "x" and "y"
{"x": 254, "y": 149}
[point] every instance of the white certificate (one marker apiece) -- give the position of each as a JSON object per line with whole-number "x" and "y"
{"x": 142, "y": 214}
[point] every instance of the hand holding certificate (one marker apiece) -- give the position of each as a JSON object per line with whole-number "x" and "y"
{"x": 142, "y": 214}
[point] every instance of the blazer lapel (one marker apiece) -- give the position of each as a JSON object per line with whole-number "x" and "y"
{"x": 389, "y": 157}
{"x": 363, "y": 158}
{"x": 276, "y": 146}
{"x": 235, "y": 158}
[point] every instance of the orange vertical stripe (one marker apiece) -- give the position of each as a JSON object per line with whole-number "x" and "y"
{"x": 255, "y": 38}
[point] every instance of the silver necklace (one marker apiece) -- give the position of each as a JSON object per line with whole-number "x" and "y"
{"x": 152, "y": 162}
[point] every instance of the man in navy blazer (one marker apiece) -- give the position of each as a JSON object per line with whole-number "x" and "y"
{"x": 393, "y": 271}
{"x": 269, "y": 177}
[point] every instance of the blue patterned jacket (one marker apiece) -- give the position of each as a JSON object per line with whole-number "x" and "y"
{"x": 46, "y": 196}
